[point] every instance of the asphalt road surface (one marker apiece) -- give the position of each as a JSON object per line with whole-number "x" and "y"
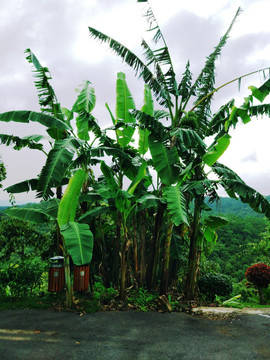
{"x": 131, "y": 335}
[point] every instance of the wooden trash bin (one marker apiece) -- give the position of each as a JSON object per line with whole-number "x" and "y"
{"x": 56, "y": 274}
{"x": 81, "y": 277}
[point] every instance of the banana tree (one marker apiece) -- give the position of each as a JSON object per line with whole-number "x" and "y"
{"x": 179, "y": 151}
{"x": 64, "y": 143}
{"x": 77, "y": 237}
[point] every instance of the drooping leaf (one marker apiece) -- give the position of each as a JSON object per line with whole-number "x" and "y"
{"x": 19, "y": 143}
{"x": 55, "y": 167}
{"x": 25, "y": 116}
{"x": 215, "y": 222}
{"x": 122, "y": 200}
{"x": 141, "y": 174}
{"x": 166, "y": 161}
{"x": 210, "y": 235}
{"x": 34, "y": 215}
{"x": 176, "y": 204}
{"x": 79, "y": 242}
{"x": 23, "y": 186}
{"x": 149, "y": 200}
{"x": 215, "y": 152}
{"x": 261, "y": 92}
{"x": 107, "y": 172}
{"x": 237, "y": 188}
{"x": 189, "y": 139}
{"x": 93, "y": 213}
{"x": 69, "y": 201}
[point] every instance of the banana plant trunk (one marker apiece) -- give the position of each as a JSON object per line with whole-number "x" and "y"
{"x": 123, "y": 269}
{"x": 142, "y": 248}
{"x": 135, "y": 250}
{"x": 68, "y": 283}
{"x": 155, "y": 251}
{"x": 194, "y": 253}
{"x": 117, "y": 249}
{"x": 166, "y": 259}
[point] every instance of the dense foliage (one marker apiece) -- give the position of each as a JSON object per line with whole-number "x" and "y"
{"x": 215, "y": 284}
{"x": 23, "y": 257}
{"x": 236, "y": 244}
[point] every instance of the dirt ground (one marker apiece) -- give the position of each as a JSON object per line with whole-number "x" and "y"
{"x": 132, "y": 335}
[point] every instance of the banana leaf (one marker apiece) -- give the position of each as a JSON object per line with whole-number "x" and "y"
{"x": 215, "y": 152}
{"x": 58, "y": 160}
{"x": 124, "y": 103}
{"x": 33, "y": 214}
{"x": 69, "y": 201}
{"x": 165, "y": 161}
{"x": 176, "y": 204}
{"x": 25, "y": 116}
{"x": 79, "y": 242}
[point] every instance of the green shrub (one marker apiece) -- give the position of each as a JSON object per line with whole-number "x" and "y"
{"x": 215, "y": 284}
{"x": 142, "y": 299}
{"x": 21, "y": 278}
{"x": 248, "y": 294}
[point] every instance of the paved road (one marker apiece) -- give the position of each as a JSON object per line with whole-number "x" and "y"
{"x": 44, "y": 335}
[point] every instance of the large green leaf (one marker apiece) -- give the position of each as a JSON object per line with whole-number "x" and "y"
{"x": 215, "y": 222}
{"x": 176, "y": 204}
{"x": 149, "y": 200}
{"x": 30, "y": 141}
{"x": 210, "y": 235}
{"x": 58, "y": 160}
{"x": 261, "y": 92}
{"x": 122, "y": 201}
{"x": 124, "y": 104}
{"x": 93, "y": 213}
{"x": 141, "y": 174}
{"x": 25, "y": 116}
{"x": 236, "y": 187}
{"x": 23, "y": 186}
{"x": 46, "y": 95}
{"x": 148, "y": 108}
{"x": 84, "y": 104}
{"x": 34, "y": 214}
{"x": 166, "y": 161}
{"x": 69, "y": 201}
{"x": 107, "y": 172}
{"x": 214, "y": 153}
{"x": 189, "y": 140}
{"x": 79, "y": 242}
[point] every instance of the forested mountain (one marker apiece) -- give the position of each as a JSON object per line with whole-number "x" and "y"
{"x": 231, "y": 206}
{"x": 239, "y": 243}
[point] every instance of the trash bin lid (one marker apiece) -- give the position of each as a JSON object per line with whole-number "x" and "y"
{"x": 57, "y": 258}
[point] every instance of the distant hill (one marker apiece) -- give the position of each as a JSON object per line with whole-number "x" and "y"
{"x": 234, "y": 207}
{"x": 225, "y": 206}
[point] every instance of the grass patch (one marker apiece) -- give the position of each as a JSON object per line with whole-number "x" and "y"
{"x": 55, "y": 302}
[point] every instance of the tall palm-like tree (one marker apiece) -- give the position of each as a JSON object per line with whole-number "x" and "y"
{"x": 179, "y": 151}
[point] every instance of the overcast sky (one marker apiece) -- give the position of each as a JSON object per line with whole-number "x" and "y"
{"x": 57, "y": 32}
